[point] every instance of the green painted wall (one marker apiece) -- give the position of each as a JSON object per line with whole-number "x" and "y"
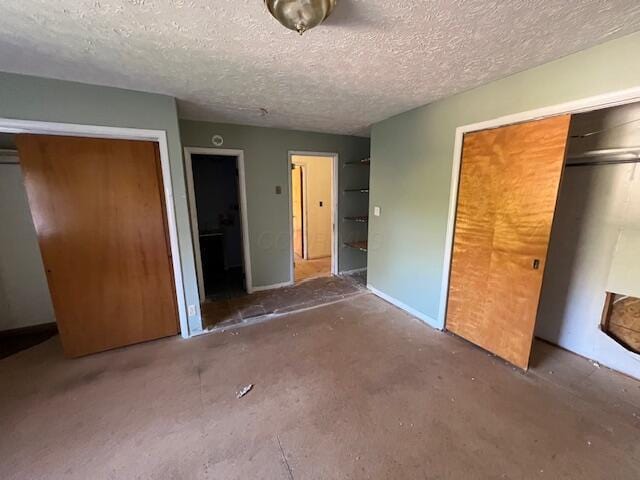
{"x": 266, "y": 159}
{"x": 412, "y": 159}
{"x": 32, "y": 98}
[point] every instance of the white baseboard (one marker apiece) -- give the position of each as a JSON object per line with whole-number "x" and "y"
{"x": 351, "y": 272}
{"x": 403, "y": 306}
{"x": 262, "y": 288}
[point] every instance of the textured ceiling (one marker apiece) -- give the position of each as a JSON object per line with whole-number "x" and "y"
{"x": 226, "y": 60}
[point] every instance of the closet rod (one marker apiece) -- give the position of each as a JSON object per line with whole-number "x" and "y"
{"x": 602, "y": 162}
{"x": 596, "y": 132}
{"x": 607, "y": 152}
{"x": 8, "y": 157}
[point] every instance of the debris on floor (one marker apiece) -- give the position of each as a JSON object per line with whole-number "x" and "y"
{"x": 362, "y": 383}
{"x": 244, "y": 391}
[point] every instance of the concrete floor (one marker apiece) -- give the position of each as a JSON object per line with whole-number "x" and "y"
{"x": 353, "y": 390}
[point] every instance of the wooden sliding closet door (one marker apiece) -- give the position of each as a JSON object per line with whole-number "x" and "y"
{"x": 98, "y": 209}
{"x": 509, "y": 184}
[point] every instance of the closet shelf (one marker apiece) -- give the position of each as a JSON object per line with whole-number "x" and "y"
{"x": 364, "y": 161}
{"x": 357, "y": 190}
{"x": 362, "y": 245}
{"x": 359, "y": 219}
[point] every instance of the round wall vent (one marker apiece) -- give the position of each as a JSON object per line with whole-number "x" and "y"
{"x": 217, "y": 140}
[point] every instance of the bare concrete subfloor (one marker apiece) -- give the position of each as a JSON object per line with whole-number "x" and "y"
{"x": 352, "y": 390}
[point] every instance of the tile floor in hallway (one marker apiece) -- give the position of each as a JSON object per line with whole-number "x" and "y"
{"x": 352, "y": 390}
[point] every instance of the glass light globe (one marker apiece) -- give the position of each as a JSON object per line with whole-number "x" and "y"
{"x": 300, "y": 15}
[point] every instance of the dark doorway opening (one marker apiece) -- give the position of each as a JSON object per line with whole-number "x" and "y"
{"x": 216, "y": 190}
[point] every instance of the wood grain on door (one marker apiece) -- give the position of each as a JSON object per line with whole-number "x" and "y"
{"x": 99, "y": 212}
{"x": 509, "y": 183}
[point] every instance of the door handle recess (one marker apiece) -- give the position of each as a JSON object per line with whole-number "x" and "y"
{"x": 536, "y": 264}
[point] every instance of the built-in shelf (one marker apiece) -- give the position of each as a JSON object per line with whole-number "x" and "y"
{"x": 364, "y": 161}
{"x": 353, "y": 201}
{"x": 361, "y": 245}
{"x": 359, "y": 219}
{"x": 357, "y": 190}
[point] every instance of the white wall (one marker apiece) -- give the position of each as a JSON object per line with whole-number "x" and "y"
{"x": 317, "y": 183}
{"x": 596, "y": 230}
{"x": 24, "y": 294}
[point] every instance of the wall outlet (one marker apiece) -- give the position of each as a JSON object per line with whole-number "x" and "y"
{"x": 376, "y": 211}
{"x": 191, "y": 310}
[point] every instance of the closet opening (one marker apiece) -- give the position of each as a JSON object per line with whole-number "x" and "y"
{"x": 106, "y": 274}
{"x": 589, "y": 302}
{"x": 545, "y": 235}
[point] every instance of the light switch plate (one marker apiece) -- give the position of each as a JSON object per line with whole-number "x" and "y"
{"x": 376, "y": 211}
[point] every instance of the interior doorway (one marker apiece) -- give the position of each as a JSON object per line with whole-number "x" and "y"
{"x": 313, "y": 204}
{"x": 217, "y": 203}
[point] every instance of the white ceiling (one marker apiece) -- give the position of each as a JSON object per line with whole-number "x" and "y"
{"x": 225, "y": 60}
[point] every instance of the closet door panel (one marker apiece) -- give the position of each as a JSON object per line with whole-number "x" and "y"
{"x": 98, "y": 209}
{"x": 507, "y": 195}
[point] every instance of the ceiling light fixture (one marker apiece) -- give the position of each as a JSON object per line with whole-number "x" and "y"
{"x": 300, "y": 15}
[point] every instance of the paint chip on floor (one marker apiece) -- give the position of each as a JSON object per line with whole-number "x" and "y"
{"x": 244, "y": 391}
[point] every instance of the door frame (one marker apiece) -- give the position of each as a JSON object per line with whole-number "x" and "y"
{"x": 596, "y": 102}
{"x": 8, "y": 125}
{"x": 193, "y": 212}
{"x": 303, "y": 187}
{"x": 334, "y": 207}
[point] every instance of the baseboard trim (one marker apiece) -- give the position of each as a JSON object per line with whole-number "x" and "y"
{"x": 262, "y": 288}
{"x": 403, "y": 306}
{"x": 30, "y": 330}
{"x": 351, "y": 272}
